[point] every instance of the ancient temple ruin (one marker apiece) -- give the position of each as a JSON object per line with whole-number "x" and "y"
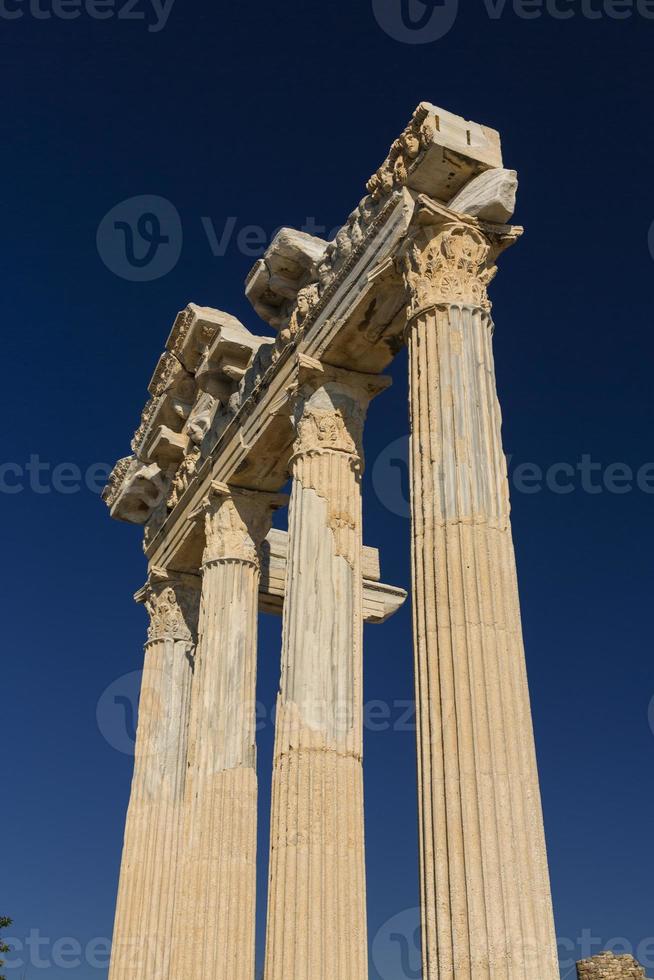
{"x": 232, "y": 415}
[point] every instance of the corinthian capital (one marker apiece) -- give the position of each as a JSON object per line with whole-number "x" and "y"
{"x": 236, "y": 522}
{"x": 172, "y": 601}
{"x": 329, "y": 407}
{"x": 449, "y": 259}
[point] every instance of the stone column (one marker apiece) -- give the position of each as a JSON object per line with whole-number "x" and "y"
{"x": 485, "y": 893}
{"x": 144, "y": 910}
{"x": 215, "y": 913}
{"x": 317, "y": 902}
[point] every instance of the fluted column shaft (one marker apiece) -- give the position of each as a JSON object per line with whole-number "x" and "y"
{"x": 215, "y": 912}
{"x": 485, "y": 894}
{"x": 146, "y": 893}
{"x": 316, "y": 927}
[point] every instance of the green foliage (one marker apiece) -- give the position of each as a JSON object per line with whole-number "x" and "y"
{"x": 4, "y": 923}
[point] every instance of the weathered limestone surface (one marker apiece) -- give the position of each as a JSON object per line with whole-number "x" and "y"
{"x": 148, "y": 876}
{"x": 379, "y": 601}
{"x": 215, "y": 908}
{"x": 230, "y": 417}
{"x": 610, "y": 966}
{"x": 316, "y": 902}
{"x": 490, "y": 196}
{"x": 485, "y": 891}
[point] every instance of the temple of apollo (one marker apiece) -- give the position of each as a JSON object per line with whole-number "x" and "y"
{"x": 235, "y": 416}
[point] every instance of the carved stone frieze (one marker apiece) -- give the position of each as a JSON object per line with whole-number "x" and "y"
{"x": 166, "y": 409}
{"x": 289, "y": 263}
{"x": 194, "y": 329}
{"x": 134, "y": 490}
{"x": 116, "y": 478}
{"x": 394, "y": 171}
{"x": 145, "y": 425}
{"x": 306, "y": 299}
{"x": 155, "y": 523}
{"x": 167, "y": 447}
{"x": 437, "y": 154}
{"x": 226, "y": 359}
{"x": 180, "y": 329}
{"x": 170, "y": 374}
{"x": 199, "y": 421}
{"x": 184, "y": 475}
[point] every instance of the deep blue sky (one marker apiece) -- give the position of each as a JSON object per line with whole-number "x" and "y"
{"x": 269, "y": 114}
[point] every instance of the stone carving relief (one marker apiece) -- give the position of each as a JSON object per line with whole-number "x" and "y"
{"x": 319, "y": 429}
{"x": 291, "y": 312}
{"x": 134, "y": 490}
{"x": 181, "y": 327}
{"x": 183, "y": 476}
{"x": 236, "y": 523}
{"x": 306, "y": 298}
{"x": 260, "y": 364}
{"x": 199, "y": 421}
{"x": 329, "y": 429}
{"x": 209, "y": 353}
{"x": 447, "y": 266}
{"x": 116, "y": 479}
{"x": 394, "y": 172}
{"x": 436, "y": 154}
{"x": 327, "y": 414}
{"x": 155, "y": 523}
{"x": 194, "y": 328}
{"x": 227, "y": 534}
{"x": 173, "y": 611}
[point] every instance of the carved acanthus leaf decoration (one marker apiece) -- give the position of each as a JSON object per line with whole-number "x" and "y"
{"x": 173, "y": 608}
{"x": 319, "y": 429}
{"x": 116, "y": 480}
{"x": 448, "y": 266}
{"x": 236, "y": 523}
{"x": 181, "y": 327}
{"x": 166, "y": 369}
{"x": 144, "y": 425}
